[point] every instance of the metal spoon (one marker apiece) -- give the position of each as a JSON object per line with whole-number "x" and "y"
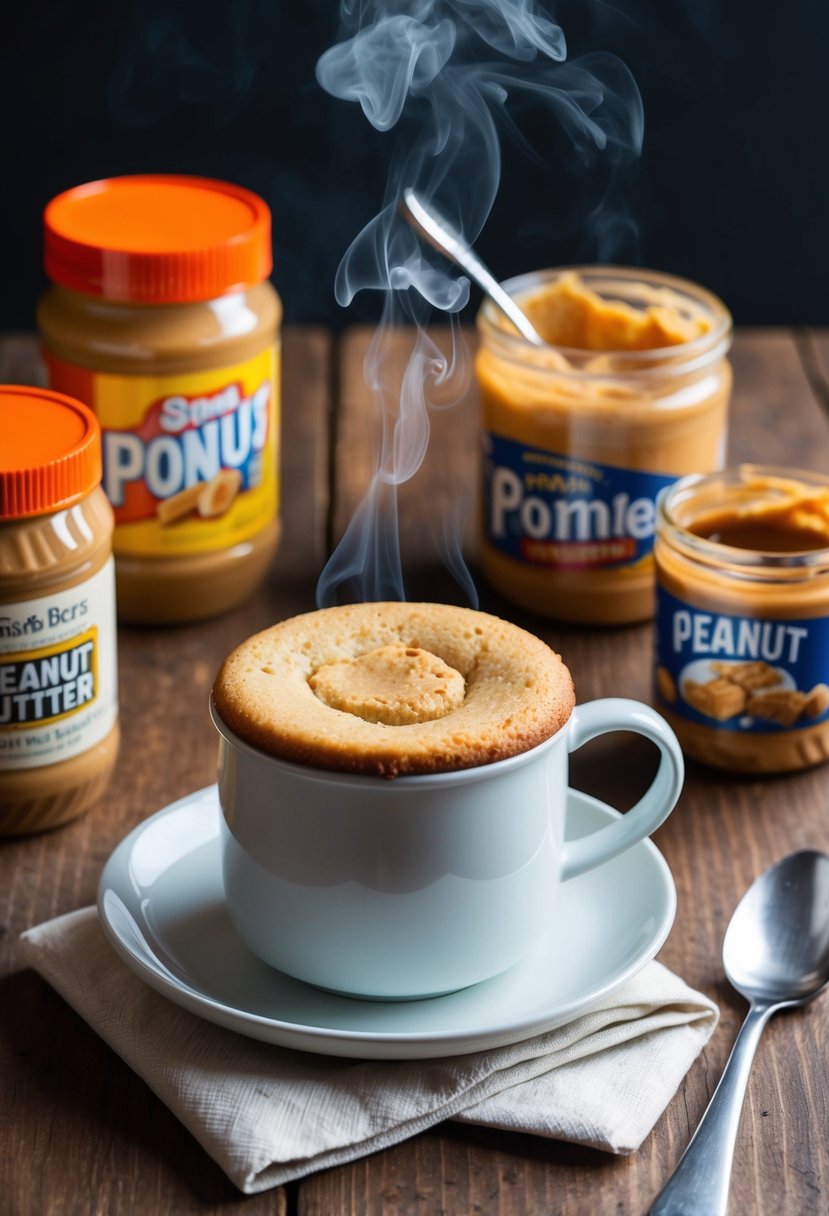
{"x": 444, "y": 238}
{"x": 776, "y": 953}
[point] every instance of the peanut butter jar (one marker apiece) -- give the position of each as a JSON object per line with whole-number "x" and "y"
{"x": 581, "y": 435}
{"x": 161, "y": 319}
{"x": 58, "y": 658}
{"x": 742, "y": 628}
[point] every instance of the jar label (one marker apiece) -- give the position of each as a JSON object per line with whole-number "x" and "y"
{"x": 741, "y": 673}
{"x": 552, "y": 509}
{"x": 190, "y": 461}
{"x": 58, "y": 673}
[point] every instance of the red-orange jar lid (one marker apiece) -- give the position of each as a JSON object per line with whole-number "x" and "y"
{"x": 50, "y": 455}
{"x": 157, "y": 239}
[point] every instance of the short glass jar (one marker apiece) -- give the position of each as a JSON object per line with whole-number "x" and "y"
{"x": 742, "y": 626}
{"x": 58, "y": 656}
{"x": 162, "y": 320}
{"x": 581, "y": 435}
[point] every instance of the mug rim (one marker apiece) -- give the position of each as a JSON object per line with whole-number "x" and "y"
{"x": 458, "y": 776}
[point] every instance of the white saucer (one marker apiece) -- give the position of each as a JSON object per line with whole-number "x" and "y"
{"x": 162, "y": 906}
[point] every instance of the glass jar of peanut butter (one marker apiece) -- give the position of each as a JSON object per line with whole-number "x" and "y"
{"x": 58, "y": 659}
{"x": 162, "y": 320}
{"x": 742, "y": 646}
{"x": 631, "y": 392}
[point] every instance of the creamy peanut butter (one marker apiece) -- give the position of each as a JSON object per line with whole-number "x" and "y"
{"x": 570, "y": 315}
{"x": 161, "y": 319}
{"x": 742, "y": 667}
{"x": 58, "y": 663}
{"x": 580, "y": 436}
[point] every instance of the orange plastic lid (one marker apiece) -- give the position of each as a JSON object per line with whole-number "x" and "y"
{"x": 157, "y": 239}
{"x": 50, "y": 454}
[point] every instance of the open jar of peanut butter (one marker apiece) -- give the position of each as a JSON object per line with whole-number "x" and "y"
{"x": 581, "y": 435}
{"x": 58, "y": 658}
{"x": 162, "y": 320}
{"x": 742, "y": 647}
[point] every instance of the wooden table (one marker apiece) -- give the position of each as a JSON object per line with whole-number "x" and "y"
{"x": 81, "y": 1134}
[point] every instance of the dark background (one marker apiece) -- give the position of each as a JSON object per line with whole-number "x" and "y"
{"x": 732, "y": 188}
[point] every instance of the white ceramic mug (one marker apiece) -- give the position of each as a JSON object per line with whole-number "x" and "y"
{"x": 421, "y": 885}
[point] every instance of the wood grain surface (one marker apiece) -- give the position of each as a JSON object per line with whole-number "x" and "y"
{"x": 81, "y": 1134}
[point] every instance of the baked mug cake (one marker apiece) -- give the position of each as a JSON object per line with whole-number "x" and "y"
{"x": 393, "y": 785}
{"x": 394, "y": 688}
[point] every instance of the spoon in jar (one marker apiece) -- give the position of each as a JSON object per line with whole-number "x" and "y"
{"x": 776, "y": 953}
{"x": 443, "y": 236}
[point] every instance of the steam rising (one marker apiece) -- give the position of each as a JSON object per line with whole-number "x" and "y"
{"x": 443, "y": 76}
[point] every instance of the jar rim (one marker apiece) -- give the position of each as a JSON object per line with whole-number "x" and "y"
{"x": 695, "y": 354}
{"x": 743, "y": 562}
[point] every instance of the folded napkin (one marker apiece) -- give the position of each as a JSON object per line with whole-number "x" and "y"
{"x": 267, "y": 1114}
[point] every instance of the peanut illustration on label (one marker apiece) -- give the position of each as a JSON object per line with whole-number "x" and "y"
{"x": 210, "y": 499}
{"x": 748, "y": 675}
{"x": 179, "y": 505}
{"x": 783, "y": 707}
{"x": 752, "y": 689}
{"x": 219, "y": 493}
{"x": 817, "y": 701}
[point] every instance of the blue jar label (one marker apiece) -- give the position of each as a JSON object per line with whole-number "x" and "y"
{"x": 741, "y": 673}
{"x": 550, "y": 509}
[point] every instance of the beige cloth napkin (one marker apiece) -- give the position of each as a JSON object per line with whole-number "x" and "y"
{"x": 267, "y": 1114}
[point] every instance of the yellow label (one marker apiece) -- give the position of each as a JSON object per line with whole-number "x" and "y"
{"x": 39, "y": 687}
{"x": 190, "y": 461}
{"x": 58, "y": 673}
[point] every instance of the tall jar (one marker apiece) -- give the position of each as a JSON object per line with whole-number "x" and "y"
{"x": 58, "y": 658}
{"x": 742, "y": 628}
{"x": 161, "y": 319}
{"x": 580, "y": 435}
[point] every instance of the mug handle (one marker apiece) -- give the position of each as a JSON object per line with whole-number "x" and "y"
{"x": 599, "y": 718}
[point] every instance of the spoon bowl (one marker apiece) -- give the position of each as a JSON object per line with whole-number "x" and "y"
{"x": 776, "y": 953}
{"x": 777, "y": 945}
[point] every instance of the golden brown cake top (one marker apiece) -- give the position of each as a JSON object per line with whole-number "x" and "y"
{"x": 394, "y": 688}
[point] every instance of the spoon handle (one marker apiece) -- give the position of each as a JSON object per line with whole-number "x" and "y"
{"x": 699, "y": 1184}
{"x": 479, "y": 274}
{"x": 444, "y": 238}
